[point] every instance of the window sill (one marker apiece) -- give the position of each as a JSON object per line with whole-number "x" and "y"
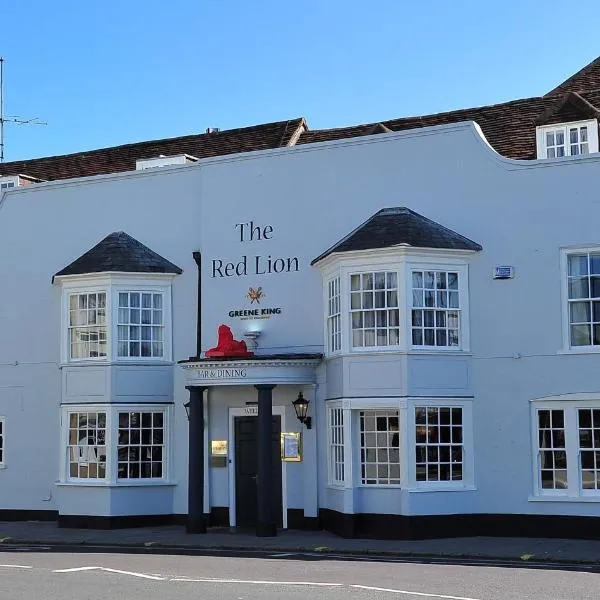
{"x": 564, "y": 498}
{"x": 379, "y": 486}
{"x": 400, "y": 352}
{"x": 442, "y": 488}
{"x": 112, "y": 363}
{"x": 580, "y": 350}
{"x": 109, "y": 484}
{"x": 337, "y": 487}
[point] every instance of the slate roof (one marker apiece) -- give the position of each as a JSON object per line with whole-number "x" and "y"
{"x": 122, "y": 158}
{"x": 400, "y": 226}
{"x": 119, "y": 252}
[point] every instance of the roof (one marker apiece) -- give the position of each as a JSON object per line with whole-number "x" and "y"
{"x": 509, "y": 127}
{"x": 400, "y": 226}
{"x": 123, "y": 158}
{"x": 119, "y": 252}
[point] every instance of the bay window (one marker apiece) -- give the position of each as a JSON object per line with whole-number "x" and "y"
{"x": 114, "y": 444}
{"x": 116, "y": 318}
{"x": 406, "y": 443}
{"x": 567, "y": 448}
{"x": 410, "y": 305}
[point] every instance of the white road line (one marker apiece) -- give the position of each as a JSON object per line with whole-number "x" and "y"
{"x": 15, "y": 567}
{"x": 258, "y": 582}
{"x": 131, "y": 573}
{"x": 142, "y": 575}
{"x": 406, "y": 592}
{"x": 74, "y": 569}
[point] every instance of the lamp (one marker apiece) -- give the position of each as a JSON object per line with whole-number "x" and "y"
{"x": 301, "y": 408}
{"x": 187, "y": 409}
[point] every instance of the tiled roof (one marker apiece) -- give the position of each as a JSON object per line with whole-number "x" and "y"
{"x": 123, "y": 158}
{"x": 508, "y": 127}
{"x": 585, "y": 80}
{"x": 119, "y": 252}
{"x": 400, "y": 226}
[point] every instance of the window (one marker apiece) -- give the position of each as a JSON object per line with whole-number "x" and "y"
{"x": 435, "y": 308}
{"x": 568, "y": 139}
{"x": 140, "y": 325}
{"x": 87, "y": 326}
{"x": 379, "y": 447}
{"x": 5, "y": 185}
{"x": 141, "y": 445}
{"x": 87, "y": 445}
{"x": 115, "y": 444}
{"x": 334, "y": 319}
{"x": 568, "y": 448}
{"x": 336, "y": 446}
{"x": 1, "y": 442}
{"x": 374, "y": 312}
{"x": 439, "y": 443}
{"x": 583, "y": 285}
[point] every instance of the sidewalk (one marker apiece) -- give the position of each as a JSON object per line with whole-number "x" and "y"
{"x": 174, "y": 537}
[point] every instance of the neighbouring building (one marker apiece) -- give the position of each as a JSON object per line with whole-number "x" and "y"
{"x": 420, "y": 300}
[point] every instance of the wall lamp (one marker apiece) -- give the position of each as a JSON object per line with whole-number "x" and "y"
{"x": 187, "y": 409}
{"x": 301, "y": 408}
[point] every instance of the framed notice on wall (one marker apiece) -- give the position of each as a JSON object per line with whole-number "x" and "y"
{"x": 291, "y": 447}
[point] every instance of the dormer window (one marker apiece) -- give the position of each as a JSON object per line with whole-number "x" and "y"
{"x": 571, "y": 139}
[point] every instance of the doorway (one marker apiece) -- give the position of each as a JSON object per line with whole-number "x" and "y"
{"x": 246, "y": 468}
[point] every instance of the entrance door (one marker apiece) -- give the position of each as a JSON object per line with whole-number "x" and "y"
{"x": 246, "y": 469}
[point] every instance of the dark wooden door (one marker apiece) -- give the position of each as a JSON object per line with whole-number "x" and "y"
{"x": 246, "y": 468}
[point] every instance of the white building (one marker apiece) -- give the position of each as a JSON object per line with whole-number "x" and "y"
{"x": 436, "y": 303}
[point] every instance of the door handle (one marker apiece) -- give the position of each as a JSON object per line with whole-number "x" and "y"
{"x": 255, "y": 477}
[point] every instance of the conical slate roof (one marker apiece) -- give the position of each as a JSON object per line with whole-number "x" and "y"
{"x": 119, "y": 252}
{"x": 400, "y": 226}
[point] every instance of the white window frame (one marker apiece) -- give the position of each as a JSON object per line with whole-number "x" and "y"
{"x": 2, "y": 442}
{"x": 333, "y": 283}
{"x": 112, "y": 429}
{"x": 332, "y": 480}
{"x": 9, "y": 182}
{"x": 541, "y": 130}
{"x": 112, "y": 284}
{"x": 567, "y": 348}
{"x": 401, "y": 261}
{"x": 70, "y": 328}
{"x": 463, "y": 304}
{"x": 570, "y": 404}
{"x": 407, "y": 442}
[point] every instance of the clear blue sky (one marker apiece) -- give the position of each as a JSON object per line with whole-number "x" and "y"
{"x": 118, "y": 71}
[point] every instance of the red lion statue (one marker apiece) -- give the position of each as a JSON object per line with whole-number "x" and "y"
{"x": 227, "y": 346}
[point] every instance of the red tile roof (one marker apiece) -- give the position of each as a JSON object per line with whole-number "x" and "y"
{"x": 123, "y": 158}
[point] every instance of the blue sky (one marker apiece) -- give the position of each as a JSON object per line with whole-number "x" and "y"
{"x": 118, "y": 71}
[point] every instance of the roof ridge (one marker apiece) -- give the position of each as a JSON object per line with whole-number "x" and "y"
{"x": 127, "y": 145}
{"x": 578, "y": 74}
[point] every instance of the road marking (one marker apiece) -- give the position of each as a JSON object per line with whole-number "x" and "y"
{"x": 258, "y": 582}
{"x": 132, "y": 573}
{"x": 74, "y": 569}
{"x": 15, "y": 567}
{"x": 279, "y": 555}
{"x": 406, "y": 592}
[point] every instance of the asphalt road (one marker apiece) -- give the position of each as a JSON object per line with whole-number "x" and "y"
{"x": 89, "y": 576}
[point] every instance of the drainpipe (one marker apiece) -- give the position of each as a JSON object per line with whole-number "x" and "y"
{"x": 198, "y": 258}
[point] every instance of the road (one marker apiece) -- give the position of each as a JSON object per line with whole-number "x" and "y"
{"x": 28, "y": 575}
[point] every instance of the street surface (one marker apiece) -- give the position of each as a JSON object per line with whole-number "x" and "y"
{"x": 29, "y": 575}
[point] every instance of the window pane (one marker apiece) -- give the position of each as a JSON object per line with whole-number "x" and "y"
{"x": 580, "y": 335}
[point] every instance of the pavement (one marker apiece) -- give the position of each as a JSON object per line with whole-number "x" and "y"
{"x": 173, "y": 538}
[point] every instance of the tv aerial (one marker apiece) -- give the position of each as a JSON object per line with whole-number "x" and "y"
{"x": 14, "y": 119}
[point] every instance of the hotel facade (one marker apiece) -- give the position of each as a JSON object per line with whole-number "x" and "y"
{"x": 404, "y": 328}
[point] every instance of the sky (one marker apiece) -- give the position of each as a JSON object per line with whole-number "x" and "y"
{"x": 118, "y": 71}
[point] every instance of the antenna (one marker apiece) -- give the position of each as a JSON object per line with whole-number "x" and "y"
{"x": 12, "y": 119}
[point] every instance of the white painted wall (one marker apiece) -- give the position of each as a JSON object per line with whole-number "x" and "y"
{"x": 311, "y": 196}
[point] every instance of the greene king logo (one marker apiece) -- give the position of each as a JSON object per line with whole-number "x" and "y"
{"x": 255, "y": 295}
